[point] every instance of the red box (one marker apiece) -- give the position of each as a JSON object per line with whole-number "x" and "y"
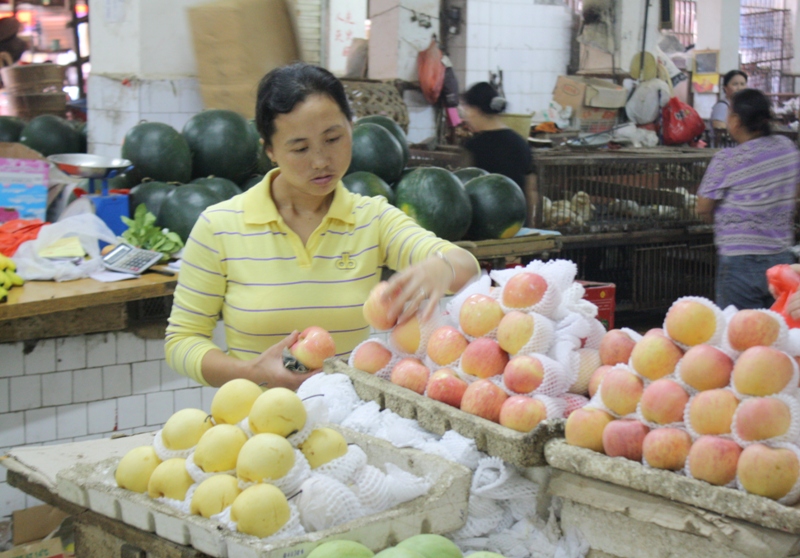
{"x": 602, "y": 295}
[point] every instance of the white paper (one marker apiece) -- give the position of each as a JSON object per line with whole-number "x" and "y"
{"x": 111, "y": 276}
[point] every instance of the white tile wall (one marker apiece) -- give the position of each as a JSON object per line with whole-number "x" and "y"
{"x": 86, "y": 387}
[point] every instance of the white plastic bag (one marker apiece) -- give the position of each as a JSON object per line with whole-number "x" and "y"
{"x": 647, "y": 100}
{"x": 89, "y": 229}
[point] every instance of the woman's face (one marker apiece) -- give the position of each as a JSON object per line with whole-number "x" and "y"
{"x": 737, "y": 83}
{"x": 468, "y": 113}
{"x": 312, "y": 145}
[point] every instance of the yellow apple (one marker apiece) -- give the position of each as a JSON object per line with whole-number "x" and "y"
{"x": 184, "y": 429}
{"x": 218, "y": 448}
{"x": 277, "y": 411}
{"x": 170, "y": 480}
{"x": 265, "y": 457}
{"x": 260, "y": 510}
{"x": 233, "y": 401}
{"x": 134, "y": 470}
{"x": 322, "y": 446}
{"x": 214, "y": 495}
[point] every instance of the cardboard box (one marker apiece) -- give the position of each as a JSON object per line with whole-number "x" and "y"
{"x": 578, "y": 92}
{"x": 50, "y": 548}
{"x": 235, "y": 43}
{"x": 35, "y": 523}
{"x": 604, "y": 296}
{"x": 594, "y": 120}
{"x": 23, "y": 188}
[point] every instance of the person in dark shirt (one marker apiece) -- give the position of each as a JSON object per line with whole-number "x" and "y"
{"x": 495, "y": 147}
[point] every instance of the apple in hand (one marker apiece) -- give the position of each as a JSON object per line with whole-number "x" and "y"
{"x": 445, "y": 386}
{"x": 313, "y": 346}
{"x": 376, "y": 310}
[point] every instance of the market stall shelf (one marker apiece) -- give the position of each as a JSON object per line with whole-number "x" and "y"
{"x": 81, "y": 474}
{"x": 625, "y": 509}
{"x": 518, "y": 448}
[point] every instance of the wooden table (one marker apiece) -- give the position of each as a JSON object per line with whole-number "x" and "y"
{"x": 524, "y": 247}
{"x": 44, "y": 309}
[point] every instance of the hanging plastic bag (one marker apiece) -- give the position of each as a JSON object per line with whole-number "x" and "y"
{"x": 431, "y": 72}
{"x": 89, "y": 229}
{"x": 681, "y": 123}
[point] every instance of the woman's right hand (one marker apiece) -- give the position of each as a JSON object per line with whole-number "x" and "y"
{"x": 268, "y": 370}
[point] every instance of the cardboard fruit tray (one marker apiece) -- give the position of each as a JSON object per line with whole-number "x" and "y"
{"x": 441, "y": 510}
{"x": 518, "y": 448}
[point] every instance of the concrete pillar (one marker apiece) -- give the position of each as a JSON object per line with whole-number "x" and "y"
{"x": 717, "y": 29}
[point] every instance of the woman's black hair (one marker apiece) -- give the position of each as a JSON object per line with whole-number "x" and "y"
{"x": 754, "y": 111}
{"x": 282, "y": 88}
{"x": 726, "y": 79}
{"x": 485, "y": 98}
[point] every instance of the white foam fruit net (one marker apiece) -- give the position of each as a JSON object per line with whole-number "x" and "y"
{"x": 316, "y": 414}
{"x": 542, "y": 337}
{"x": 291, "y": 481}
{"x": 481, "y": 286}
{"x": 163, "y": 453}
{"x": 573, "y": 402}
{"x": 792, "y": 433}
{"x": 717, "y": 336}
{"x": 556, "y": 380}
{"x": 372, "y": 489}
{"x": 365, "y": 419}
{"x": 184, "y": 505}
{"x": 425, "y": 331}
{"x": 793, "y": 342}
{"x": 573, "y": 302}
{"x": 340, "y": 396}
{"x": 198, "y": 474}
{"x": 455, "y": 447}
{"x": 344, "y": 468}
{"x": 791, "y": 498}
{"x": 588, "y": 360}
{"x": 596, "y": 333}
{"x": 324, "y": 502}
{"x": 559, "y": 274}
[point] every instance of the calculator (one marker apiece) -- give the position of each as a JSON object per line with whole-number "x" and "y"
{"x": 129, "y": 259}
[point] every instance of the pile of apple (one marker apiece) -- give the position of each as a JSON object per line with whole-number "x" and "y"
{"x": 499, "y": 358}
{"x": 240, "y": 457}
{"x": 712, "y": 395}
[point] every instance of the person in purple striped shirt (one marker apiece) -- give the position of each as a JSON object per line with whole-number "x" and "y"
{"x": 749, "y": 192}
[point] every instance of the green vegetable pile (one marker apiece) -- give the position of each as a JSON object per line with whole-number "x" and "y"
{"x": 143, "y": 233}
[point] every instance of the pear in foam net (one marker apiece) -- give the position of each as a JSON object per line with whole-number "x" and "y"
{"x": 184, "y": 429}
{"x": 322, "y": 446}
{"x": 264, "y": 457}
{"x": 260, "y": 510}
{"x": 277, "y": 411}
{"x": 170, "y": 480}
{"x": 233, "y": 400}
{"x": 134, "y": 470}
{"x": 214, "y": 495}
{"x": 218, "y": 449}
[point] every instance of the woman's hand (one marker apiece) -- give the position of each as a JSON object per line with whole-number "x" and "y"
{"x": 268, "y": 370}
{"x": 428, "y": 280}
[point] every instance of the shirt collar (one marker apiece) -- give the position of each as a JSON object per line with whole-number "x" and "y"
{"x": 259, "y": 208}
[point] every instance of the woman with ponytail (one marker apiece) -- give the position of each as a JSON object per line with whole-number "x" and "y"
{"x": 749, "y": 193}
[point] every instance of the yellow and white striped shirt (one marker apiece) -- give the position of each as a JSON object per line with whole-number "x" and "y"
{"x": 244, "y": 263}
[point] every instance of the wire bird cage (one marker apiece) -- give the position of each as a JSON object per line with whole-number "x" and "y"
{"x": 626, "y": 190}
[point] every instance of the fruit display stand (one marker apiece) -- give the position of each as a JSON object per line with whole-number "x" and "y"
{"x": 111, "y": 521}
{"x": 624, "y": 509}
{"x": 517, "y": 448}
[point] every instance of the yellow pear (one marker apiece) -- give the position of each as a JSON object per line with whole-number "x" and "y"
{"x": 260, "y": 510}
{"x": 264, "y": 457}
{"x": 277, "y": 411}
{"x": 170, "y": 479}
{"x": 184, "y": 429}
{"x": 323, "y": 445}
{"x": 233, "y": 401}
{"x": 214, "y": 495}
{"x": 134, "y": 470}
{"x": 219, "y": 447}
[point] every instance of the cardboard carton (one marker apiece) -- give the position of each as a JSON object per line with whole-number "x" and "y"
{"x": 50, "y": 548}
{"x": 24, "y": 183}
{"x": 236, "y": 42}
{"x": 577, "y": 92}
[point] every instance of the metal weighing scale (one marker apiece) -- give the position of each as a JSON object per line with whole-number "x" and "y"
{"x": 109, "y": 207}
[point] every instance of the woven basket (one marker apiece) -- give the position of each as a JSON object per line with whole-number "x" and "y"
{"x": 35, "y": 104}
{"x": 368, "y": 98}
{"x": 33, "y": 78}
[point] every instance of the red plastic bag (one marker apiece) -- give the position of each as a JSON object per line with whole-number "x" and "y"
{"x": 13, "y": 233}
{"x": 784, "y": 282}
{"x": 431, "y": 72}
{"x": 681, "y": 123}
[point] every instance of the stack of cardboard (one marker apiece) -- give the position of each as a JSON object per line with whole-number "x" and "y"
{"x": 595, "y": 102}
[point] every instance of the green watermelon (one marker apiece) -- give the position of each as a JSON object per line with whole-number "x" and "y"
{"x": 486, "y": 554}
{"x": 341, "y": 549}
{"x": 498, "y": 207}
{"x": 393, "y": 128}
{"x": 51, "y": 135}
{"x": 84, "y": 134}
{"x": 436, "y": 200}
{"x": 221, "y": 144}
{"x": 151, "y": 194}
{"x": 368, "y": 184}
{"x": 252, "y": 181}
{"x": 263, "y": 163}
{"x": 158, "y": 152}
{"x": 10, "y": 128}
{"x": 398, "y": 552}
{"x": 376, "y": 150}
{"x": 183, "y": 206}
{"x": 468, "y": 173}
{"x": 432, "y": 546}
{"x": 223, "y": 187}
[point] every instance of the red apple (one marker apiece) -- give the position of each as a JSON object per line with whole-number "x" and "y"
{"x": 410, "y": 373}
{"x": 484, "y": 399}
{"x": 523, "y": 374}
{"x": 376, "y": 310}
{"x": 445, "y": 386}
{"x": 616, "y": 347}
{"x": 313, "y": 346}
{"x": 522, "y": 413}
{"x": 484, "y": 358}
{"x": 624, "y": 438}
{"x": 479, "y": 315}
{"x": 524, "y": 290}
{"x": 446, "y": 345}
{"x": 667, "y": 448}
{"x": 371, "y": 357}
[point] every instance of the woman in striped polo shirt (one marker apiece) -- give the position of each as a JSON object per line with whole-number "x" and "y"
{"x": 299, "y": 249}
{"x": 749, "y": 192}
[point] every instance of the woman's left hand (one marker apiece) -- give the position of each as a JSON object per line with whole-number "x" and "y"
{"x": 426, "y": 281}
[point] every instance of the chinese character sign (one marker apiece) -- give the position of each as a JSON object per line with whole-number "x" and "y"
{"x": 346, "y": 21}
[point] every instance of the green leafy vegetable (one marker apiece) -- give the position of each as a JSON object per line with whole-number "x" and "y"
{"x": 143, "y": 233}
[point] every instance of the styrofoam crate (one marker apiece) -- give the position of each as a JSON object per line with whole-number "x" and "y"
{"x": 443, "y": 509}
{"x": 524, "y": 449}
{"x": 138, "y": 514}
